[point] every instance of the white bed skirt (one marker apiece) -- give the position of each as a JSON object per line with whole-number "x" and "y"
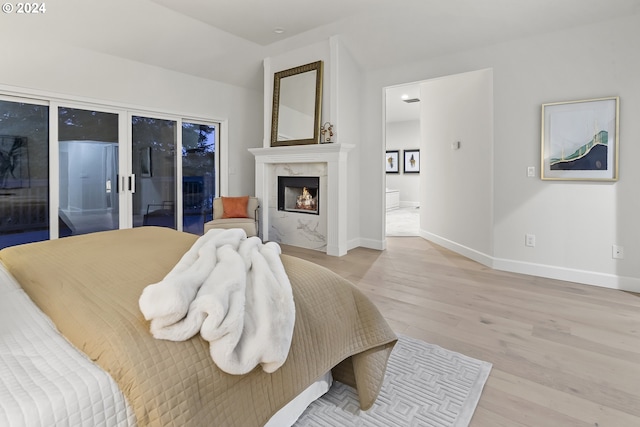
{"x": 289, "y": 414}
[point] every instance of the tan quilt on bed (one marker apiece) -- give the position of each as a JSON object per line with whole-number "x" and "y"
{"x": 89, "y": 286}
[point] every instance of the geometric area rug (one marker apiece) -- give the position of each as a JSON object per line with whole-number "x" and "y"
{"x": 424, "y": 385}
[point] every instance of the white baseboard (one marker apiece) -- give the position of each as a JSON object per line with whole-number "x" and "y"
{"x": 594, "y": 278}
{"x": 404, "y": 204}
{"x": 473, "y": 254}
{"x": 605, "y": 280}
{"x": 379, "y": 245}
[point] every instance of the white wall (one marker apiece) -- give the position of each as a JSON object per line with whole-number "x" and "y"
{"x": 457, "y": 183}
{"x": 575, "y": 223}
{"x": 404, "y": 135}
{"x": 67, "y": 71}
{"x": 344, "y": 113}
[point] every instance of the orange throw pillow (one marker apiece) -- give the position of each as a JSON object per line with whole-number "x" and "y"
{"x": 235, "y": 207}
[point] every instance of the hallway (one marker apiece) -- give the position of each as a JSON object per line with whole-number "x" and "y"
{"x": 403, "y": 222}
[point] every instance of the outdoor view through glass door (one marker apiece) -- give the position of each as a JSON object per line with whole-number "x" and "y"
{"x": 153, "y": 162}
{"x": 198, "y": 175}
{"x": 88, "y": 149}
{"x": 24, "y": 172}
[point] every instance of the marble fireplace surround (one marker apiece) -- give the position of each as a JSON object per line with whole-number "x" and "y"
{"x": 335, "y": 157}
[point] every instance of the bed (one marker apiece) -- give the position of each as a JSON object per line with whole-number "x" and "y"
{"x": 89, "y": 285}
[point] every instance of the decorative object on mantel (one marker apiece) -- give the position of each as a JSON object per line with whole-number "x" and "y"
{"x": 297, "y": 104}
{"x": 327, "y": 132}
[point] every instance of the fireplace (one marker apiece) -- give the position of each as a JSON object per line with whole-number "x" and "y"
{"x": 326, "y": 231}
{"x": 299, "y": 194}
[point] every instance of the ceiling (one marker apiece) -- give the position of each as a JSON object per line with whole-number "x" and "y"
{"x": 381, "y": 33}
{"x": 226, "y": 40}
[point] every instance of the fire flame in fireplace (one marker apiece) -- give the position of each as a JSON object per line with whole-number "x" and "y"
{"x": 306, "y": 201}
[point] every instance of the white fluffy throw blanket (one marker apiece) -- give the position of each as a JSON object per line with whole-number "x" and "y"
{"x": 235, "y": 292}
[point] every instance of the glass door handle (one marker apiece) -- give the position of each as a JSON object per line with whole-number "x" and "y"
{"x": 132, "y": 183}
{"x": 128, "y": 182}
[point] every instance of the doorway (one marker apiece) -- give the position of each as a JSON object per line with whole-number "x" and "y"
{"x": 456, "y": 169}
{"x": 402, "y": 136}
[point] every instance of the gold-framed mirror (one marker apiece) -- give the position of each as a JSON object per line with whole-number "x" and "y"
{"x": 297, "y": 105}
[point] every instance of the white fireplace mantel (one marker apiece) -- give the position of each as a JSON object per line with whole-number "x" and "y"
{"x": 335, "y": 156}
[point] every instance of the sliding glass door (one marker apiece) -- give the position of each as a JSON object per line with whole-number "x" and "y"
{"x": 24, "y": 171}
{"x": 88, "y": 167}
{"x": 198, "y": 174}
{"x": 153, "y": 162}
{"x": 71, "y": 168}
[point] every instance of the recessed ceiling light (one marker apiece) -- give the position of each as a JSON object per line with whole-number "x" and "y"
{"x": 278, "y": 30}
{"x": 404, "y": 96}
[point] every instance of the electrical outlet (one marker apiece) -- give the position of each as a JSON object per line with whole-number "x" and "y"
{"x": 617, "y": 252}
{"x": 531, "y": 171}
{"x": 530, "y": 240}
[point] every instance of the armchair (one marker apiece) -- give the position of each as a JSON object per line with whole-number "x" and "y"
{"x": 232, "y": 218}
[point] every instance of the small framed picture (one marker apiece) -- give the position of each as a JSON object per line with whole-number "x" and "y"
{"x": 411, "y": 161}
{"x": 580, "y": 140}
{"x": 392, "y": 160}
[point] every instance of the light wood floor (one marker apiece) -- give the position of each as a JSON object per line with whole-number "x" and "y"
{"x": 563, "y": 354}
